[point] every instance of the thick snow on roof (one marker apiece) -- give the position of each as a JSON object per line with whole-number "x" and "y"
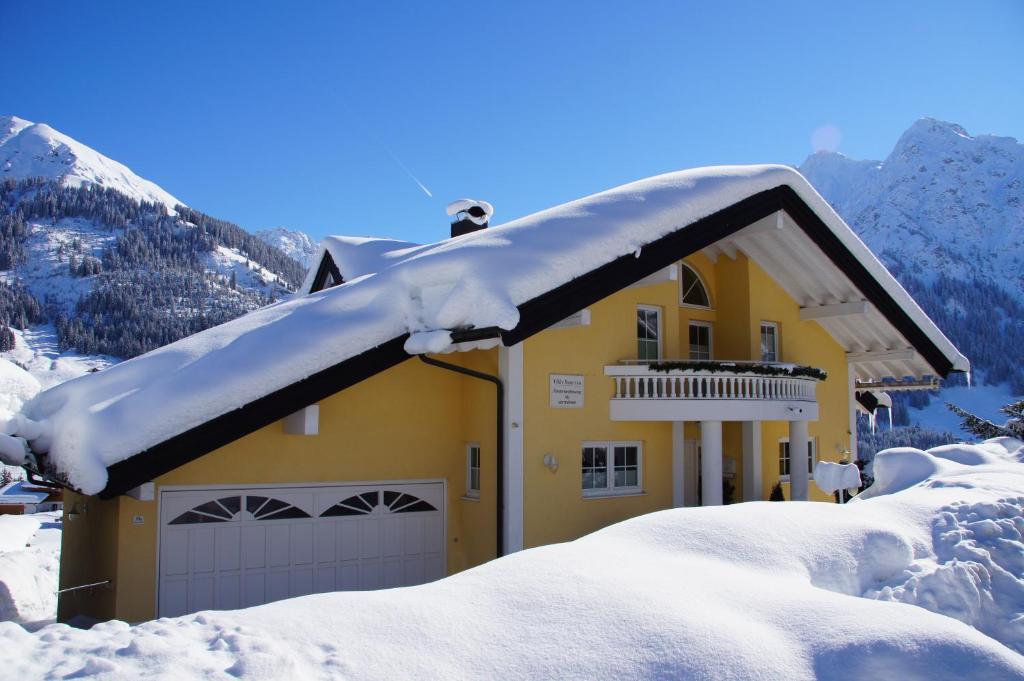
{"x": 22, "y": 492}
{"x": 476, "y": 279}
{"x": 749, "y": 591}
{"x": 356, "y": 256}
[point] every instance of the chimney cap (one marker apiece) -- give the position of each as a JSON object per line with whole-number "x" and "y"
{"x": 467, "y": 206}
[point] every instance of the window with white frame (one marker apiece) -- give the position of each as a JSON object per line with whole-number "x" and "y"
{"x": 648, "y": 332}
{"x": 700, "y": 340}
{"x": 769, "y": 342}
{"x": 611, "y": 468}
{"x": 784, "y": 457}
{"x": 473, "y": 470}
{"x": 691, "y": 288}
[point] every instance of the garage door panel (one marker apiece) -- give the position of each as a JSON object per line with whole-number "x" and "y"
{"x": 174, "y": 552}
{"x": 348, "y": 540}
{"x": 413, "y": 571}
{"x": 433, "y": 567}
{"x": 278, "y": 585}
{"x": 201, "y": 592}
{"x": 302, "y": 582}
{"x": 392, "y": 535}
{"x": 254, "y": 589}
{"x": 369, "y": 537}
{"x": 302, "y": 543}
{"x": 173, "y": 597}
{"x": 324, "y": 542}
{"x": 229, "y": 548}
{"x": 232, "y": 548}
{"x": 254, "y": 546}
{"x": 202, "y": 549}
{"x": 412, "y": 535}
{"x": 392, "y": 573}
{"x": 279, "y": 545}
{"x": 348, "y": 577}
{"x": 229, "y": 592}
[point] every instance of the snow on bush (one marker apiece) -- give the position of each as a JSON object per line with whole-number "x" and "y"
{"x": 755, "y": 590}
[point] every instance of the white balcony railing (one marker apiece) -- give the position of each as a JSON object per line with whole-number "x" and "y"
{"x": 726, "y": 395}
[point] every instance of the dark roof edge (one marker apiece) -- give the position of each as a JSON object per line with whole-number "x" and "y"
{"x": 326, "y": 267}
{"x": 217, "y": 432}
{"x": 535, "y": 315}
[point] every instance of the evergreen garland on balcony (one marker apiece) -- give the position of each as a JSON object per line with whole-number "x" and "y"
{"x": 794, "y": 371}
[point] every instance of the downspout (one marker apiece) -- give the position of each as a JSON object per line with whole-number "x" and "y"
{"x": 499, "y": 445}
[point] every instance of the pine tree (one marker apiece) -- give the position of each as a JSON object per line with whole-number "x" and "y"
{"x": 985, "y": 429}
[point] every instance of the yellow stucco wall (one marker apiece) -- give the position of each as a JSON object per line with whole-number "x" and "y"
{"x": 410, "y": 422}
{"x": 413, "y": 422}
{"x": 554, "y": 507}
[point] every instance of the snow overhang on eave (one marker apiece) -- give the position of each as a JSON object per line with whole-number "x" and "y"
{"x": 831, "y": 236}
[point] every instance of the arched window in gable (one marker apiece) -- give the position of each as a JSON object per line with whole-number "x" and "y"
{"x": 692, "y": 289}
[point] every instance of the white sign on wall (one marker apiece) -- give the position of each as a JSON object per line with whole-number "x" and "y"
{"x": 566, "y": 391}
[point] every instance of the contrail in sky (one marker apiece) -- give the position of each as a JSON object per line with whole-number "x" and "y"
{"x": 409, "y": 173}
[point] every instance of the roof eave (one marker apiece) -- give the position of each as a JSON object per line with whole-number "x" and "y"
{"x": 536, "y": 315}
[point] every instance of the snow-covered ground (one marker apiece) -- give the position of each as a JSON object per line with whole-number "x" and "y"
{"x": 757, "y": 590}
{"x": 29, "y": 565}
{"x": 38, "y": 351}
{"x": 982, "y": 400}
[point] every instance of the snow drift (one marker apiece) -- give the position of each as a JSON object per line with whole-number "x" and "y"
{"x": 755, "y": 590}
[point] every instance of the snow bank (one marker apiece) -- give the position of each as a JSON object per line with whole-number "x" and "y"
{"x": 477, "y": 279}
{"x": 29, "y": 565}
{"x": 758, "y": 590}
{"x": 16, "y": 386}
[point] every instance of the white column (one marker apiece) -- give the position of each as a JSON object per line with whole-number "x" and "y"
{"x": 510, "y": 368}
{"x": 678, "y": 465}
{"x": 799, "y": 479}
{"x": 711, "y": 463}
{"x": 851, "y": 371}
{"x": 752, "y": 461}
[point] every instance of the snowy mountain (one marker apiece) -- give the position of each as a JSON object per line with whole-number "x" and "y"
{"x": 294, "y": 243}
{"x": 945, "y": 212}
{"x": 942, "y": 201}
{"x": 98, "y": 264}
{"x": 30, "y": 149}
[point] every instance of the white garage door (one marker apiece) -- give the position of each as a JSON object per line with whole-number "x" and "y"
{"x": 234, "y": 548}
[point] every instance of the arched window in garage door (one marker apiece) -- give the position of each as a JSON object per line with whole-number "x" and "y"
{"x": 226, "y": 509}
{"x": 365, "y": 503}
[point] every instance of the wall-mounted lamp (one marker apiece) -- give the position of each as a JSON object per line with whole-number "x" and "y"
{"x": 551, "y": 462}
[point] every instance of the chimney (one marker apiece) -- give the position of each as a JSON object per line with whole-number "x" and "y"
{"x": 469, "y": 215}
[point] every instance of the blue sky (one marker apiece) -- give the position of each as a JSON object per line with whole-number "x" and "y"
{"x": 307, "y": 115}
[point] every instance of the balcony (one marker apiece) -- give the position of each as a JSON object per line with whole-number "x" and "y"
{"x": 684, "y": 390}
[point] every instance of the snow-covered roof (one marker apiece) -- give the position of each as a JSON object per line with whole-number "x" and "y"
{"x": 356, "y": 256}
{"x": 392, "y": 290}
{"x": 23, "y": 492}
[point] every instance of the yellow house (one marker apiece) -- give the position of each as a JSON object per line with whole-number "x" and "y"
{"x": 418, "y": 410}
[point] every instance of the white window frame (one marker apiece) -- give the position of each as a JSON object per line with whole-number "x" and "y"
{"x": 700, "y": 280}
{"x": 657, "y": 311}
{"x": 813, "y": 441}
{"x": 610, "y": 490}
{"x": 711, "y": 339}
{"x": 470, "y": 492}
{"x": 775, "y": 327}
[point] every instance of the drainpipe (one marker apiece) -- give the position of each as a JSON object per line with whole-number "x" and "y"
{"x": 499, "y": 443}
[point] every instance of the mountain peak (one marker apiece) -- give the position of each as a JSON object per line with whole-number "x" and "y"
{"x": 30, "y": 149}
